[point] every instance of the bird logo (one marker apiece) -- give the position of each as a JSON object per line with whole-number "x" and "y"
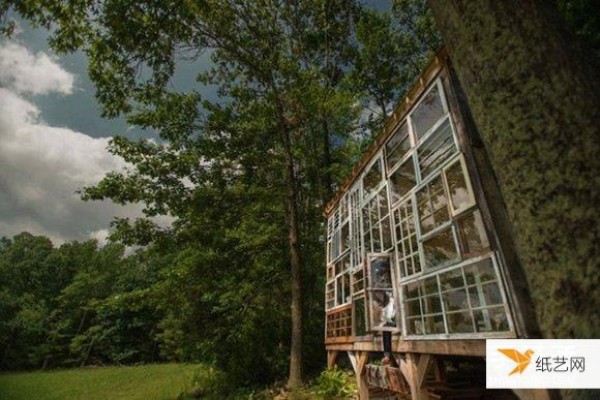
{"x": 521, "y": 359}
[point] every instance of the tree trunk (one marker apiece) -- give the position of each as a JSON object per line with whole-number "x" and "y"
{"x": 295, "y": 372}
{"x": 295, "y": 377}
{"x": 535, "y": 102}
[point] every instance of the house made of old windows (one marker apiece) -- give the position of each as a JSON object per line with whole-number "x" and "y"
{"x": 418, "y": 271}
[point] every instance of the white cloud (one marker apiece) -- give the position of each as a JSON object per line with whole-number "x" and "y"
{"x": 42, "y": 166}
{"x": 24, "y": 72}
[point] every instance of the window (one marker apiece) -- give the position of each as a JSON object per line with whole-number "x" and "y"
{"x": 402, "y": 180}
{"x": 438, "y": 148}
{"x": 473, "y": 237}
{"x": 377, "y": 234}
{"x": 440, "y": 249}
{"x": 459, "y": 186}
{"x": 464, "y": 300}
{"x": 372, "y": 178}
{"x": 397, "y": 147}
{"x": 382, "y": 305}
{"x": 432, "y": 205}
{"x": 427, "y": 112}
{"x": 407, "y": 249}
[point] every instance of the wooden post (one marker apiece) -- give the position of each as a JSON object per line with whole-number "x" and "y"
{"x": 362, "y": 357}
{"x": 414, "y": 369}
{"x": 331, "y": 357}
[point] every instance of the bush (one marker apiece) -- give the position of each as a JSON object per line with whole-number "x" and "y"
{"x": 335, "y": 383}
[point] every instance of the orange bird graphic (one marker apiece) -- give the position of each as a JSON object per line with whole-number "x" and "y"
{"x": 521, "y": 359}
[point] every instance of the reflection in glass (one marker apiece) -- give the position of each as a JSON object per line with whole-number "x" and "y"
{"x": 372, "y": 178}
{"x": 490, "y": 319}
{"x": 487, "y": 294}
{"x": 427, "y": 113}
{"x": 437, "y": 149}
{"x": 440, "y": 249}
{"x": 460, "y": 322}
{"x": 456, "y": 300}
{"x": 397, "y": 146}
{"x": 381, "y": 273}
{"x": 402, "y": 180}
{"x": 460, "y": 195}
{"x": 479, "y": 272}
{"x": 382, "y": 309}
{"x": 432, "y": 205}
{"x": 434, "y": 324}
{"x": 360, "y": 324}
{"x": 472, "y": 232}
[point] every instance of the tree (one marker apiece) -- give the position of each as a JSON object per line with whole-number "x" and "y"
{"x": 254, "y": 169}
{"x": 534, "y": 100}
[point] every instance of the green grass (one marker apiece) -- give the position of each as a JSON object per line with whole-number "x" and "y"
{"x": 146, "y": 382}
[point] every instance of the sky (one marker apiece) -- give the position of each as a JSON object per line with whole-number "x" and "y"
{"x": 53, "y": 141}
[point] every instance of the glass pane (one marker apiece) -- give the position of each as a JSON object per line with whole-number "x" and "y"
{"x": 340, "y": 291}
{"x": 460, "y": 195}
{"x": 430, "y": 286}
{"x": 412, "y": 290}
{"x": 358, "y": 280}
{"x": 402, "y": 180}
{"x": 437, "y": 149}
{"x": 382, "y": 197}
{"x": 440, "y": 249}
{"x": 479, "y": 272}
{"x": 381, "y": 273}
{"x": 456, "y": 300}
{"x": 427, "y": 113}
{"x": 461, "y": 322}
{"x": 386, "y": 233}
{"x": 397, "y": 146}
{"x": 432, "y": 205}
{"x": 452, "y": 280}
{"x": 382, "y": 309}
{"x": 414, "y": 326}
{"x": 434, "y": 324}
{"x": 330, "y": 295}
{"x": 360, "y": 324}
{"x": 346, "y": 279}
{"x": 372, "y": 178}
{"x": 345, "y": 238}
{"x": 432, "y": 304}
{"x": 490, "y": 320}
{"x": 485, "y": 295}
{"x": 413, "y": 307}
{"x": 473, "y": 234}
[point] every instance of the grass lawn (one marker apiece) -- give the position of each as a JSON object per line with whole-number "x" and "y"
{"x": 157, "y": 381}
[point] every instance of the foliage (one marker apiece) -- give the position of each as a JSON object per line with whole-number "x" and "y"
{"x": 244, "y": 178}
{"x": 335, "y": 383}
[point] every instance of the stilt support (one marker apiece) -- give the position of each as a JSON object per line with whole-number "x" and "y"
{"x": 331, "y": 357}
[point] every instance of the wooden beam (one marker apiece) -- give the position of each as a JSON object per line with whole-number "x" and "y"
{"x": 422, "y": 367}
{"x": 415, "y": 376}
{"x": 352, "y": 358}
{"x": 361, "y": 378}
{"x": 467, "y": 347}
{"x": 331, "y": 357}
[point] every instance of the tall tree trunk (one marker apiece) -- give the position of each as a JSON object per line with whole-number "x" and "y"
{"x": 535, "y": 102}
{"x": 295, "y": 376}
{"x": 295, "y": 372}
